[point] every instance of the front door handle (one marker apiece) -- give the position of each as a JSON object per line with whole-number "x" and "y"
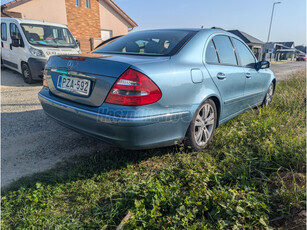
{"x": 2, "y": 44}
{"x": 248, "y": 75}
{"x": 221, "y": 76}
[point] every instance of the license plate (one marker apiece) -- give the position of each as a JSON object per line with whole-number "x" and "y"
{"x": 74, "y": 85}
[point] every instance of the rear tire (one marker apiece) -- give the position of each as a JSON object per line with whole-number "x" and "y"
{"x": 202, "y": 127}
{"x": 26, "y": 73}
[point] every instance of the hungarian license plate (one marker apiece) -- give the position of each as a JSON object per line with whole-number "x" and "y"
{"x": 74, "y": 85}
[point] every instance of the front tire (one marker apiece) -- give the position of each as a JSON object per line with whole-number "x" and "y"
{"x": 26, "y": 73}
{"x": 269, "y": 95}
{"x": 202, "y": 127}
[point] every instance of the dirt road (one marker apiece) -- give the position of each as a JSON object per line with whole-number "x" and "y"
{"x": 31, "y": 142}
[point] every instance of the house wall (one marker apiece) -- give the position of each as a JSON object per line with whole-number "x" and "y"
{"x": 43, "y": 10}
{"x": 83, "y": 23}
{"x": 111, "y": 20}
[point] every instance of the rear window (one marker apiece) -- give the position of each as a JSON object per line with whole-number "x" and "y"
{"x": 154, "y": 43}
{"x": 211, "y": 55}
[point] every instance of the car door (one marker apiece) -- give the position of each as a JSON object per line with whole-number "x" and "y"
{"x": 5, "y": 44}
{"x": 228, "y": 76}
{"x": 254, "y": 87}
{"x": 16, "y": 53}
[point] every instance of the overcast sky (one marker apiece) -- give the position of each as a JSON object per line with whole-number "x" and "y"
{"x": 250, "y": 16}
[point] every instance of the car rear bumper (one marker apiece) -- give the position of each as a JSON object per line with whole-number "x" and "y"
{"x": 126, "y": 132}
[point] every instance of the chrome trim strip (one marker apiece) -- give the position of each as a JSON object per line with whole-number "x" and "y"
{"x": 73, "y": 73}
{"x": 238, "y": 98}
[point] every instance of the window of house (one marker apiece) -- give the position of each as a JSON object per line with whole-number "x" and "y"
{"x": 225, "y": 50}
{"x": 106, "y": 34}
{"x": 78, "y": 2}
{"x": 246, "y": 57}
{"x": 3, "y": 32}
{"x": 87, "y": 4}
{"x": 211, "y": 55}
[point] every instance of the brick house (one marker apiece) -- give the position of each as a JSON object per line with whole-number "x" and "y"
{"x": 90, "y": 21}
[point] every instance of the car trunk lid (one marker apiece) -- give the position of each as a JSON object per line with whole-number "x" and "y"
{"x": 100, "y": 71}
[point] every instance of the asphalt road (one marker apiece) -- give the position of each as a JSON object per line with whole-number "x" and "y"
{"x": 283, "y": 70}
{"x": 31, "y": 142}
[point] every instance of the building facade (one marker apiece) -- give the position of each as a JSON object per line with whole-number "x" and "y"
{"x": 90, "y": 21}
{"x": 277, "y": 51}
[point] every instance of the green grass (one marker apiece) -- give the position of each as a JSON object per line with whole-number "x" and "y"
{"x": 251, "y": 176}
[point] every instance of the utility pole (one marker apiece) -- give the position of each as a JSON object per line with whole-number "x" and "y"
{"x": 272, "y": 19}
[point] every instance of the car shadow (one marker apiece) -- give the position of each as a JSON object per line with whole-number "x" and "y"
{"x": 11, "y": 78}
{"x": 32, "y": 143}
{"x": 85, "y": 166}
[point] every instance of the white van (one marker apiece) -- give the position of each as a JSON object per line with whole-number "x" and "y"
{"x": 26, "y": 45}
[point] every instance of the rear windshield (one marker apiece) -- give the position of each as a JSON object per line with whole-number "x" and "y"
{"x": 154, "y": 43}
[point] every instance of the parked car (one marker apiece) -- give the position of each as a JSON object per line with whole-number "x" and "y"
{"x": 154, "y": 88}
{"x": 301, "y": 57}
{"x": 26, "y": 45}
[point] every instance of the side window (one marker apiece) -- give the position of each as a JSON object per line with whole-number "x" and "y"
{"x": 245, "y": 55}
{"x": 211, "y": 55}
{"x": 14, "y": 31}
{"x": 225, "y": 50}
{"x": 3, "y": 32}
{"x": 15, "y": 34}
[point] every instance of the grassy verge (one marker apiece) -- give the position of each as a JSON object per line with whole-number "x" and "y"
{"x": 252, "y": 176}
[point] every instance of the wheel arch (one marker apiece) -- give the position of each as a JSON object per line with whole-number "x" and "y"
{"x": 21, "y": 63}
{"x": 217, "y": 102}
{"x": 218, "y": 108}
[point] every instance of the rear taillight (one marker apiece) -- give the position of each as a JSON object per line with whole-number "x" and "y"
{"x": 45, "y": 83}
{"x": 133, "y": 88}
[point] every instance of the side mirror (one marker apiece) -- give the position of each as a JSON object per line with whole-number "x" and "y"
{"x": 16, "y": 42}
{"x": 263, "y": 65}
{"x": 78, "y": 42}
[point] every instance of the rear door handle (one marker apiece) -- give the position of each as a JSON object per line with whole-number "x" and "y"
{"x": 221, "y": 76}
{"x": 248, "y": 75}
{"x": 2, "y": 44}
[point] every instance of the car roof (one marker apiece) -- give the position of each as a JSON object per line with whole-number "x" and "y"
{"x": 30, "y": 21}
{"x": 171, "y": 29}
{"x": 196, "y": 30}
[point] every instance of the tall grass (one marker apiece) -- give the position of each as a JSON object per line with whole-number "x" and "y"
{"x": 251, "y": 176}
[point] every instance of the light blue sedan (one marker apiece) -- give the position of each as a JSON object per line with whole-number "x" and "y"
{"x": 155, "y": 88}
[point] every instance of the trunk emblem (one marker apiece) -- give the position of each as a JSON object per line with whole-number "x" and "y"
{"x": 70, "y": 65}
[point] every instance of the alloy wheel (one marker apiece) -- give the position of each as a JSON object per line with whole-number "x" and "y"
{"x": 269, "y": 95}
{"x": 26, "y": 73}
{"x": 204, "y": 125}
